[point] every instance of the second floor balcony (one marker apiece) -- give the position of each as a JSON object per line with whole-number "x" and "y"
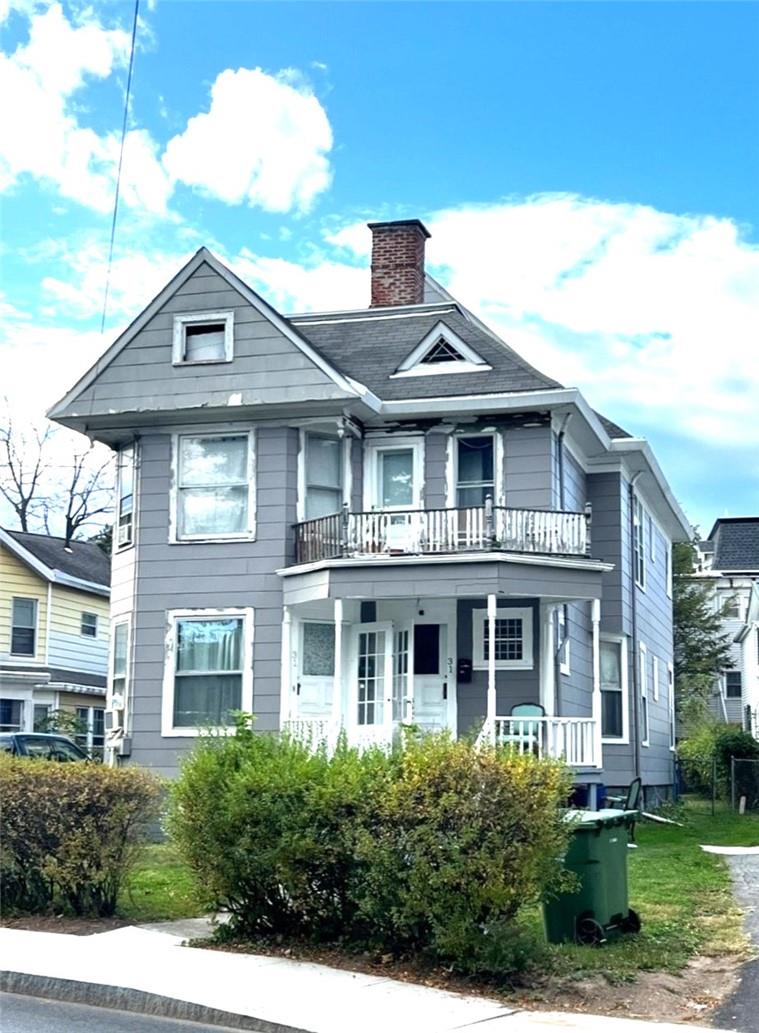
{"x": 422, "y": 532}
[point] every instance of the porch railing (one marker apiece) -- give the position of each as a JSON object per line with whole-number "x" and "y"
{"x": 571, "y": 739}
{"x": 438, "y": 531}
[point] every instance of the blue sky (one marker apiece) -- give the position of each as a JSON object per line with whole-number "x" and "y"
{"x": 588, "y": 171}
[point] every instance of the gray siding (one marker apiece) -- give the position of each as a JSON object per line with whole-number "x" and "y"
{"x": 267, "y": 366}
{"x": 528, "y": 467}
{"x": 435, "y": 465}
{"x": 575, "y": 688}
{"x": 512, "y": 687}
{"x": 203, "y": 575}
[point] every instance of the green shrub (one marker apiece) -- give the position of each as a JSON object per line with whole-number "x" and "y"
{"x": 70, "y": 833}
{"x": 712, "y": 742}
{"x": 430, "y": 849}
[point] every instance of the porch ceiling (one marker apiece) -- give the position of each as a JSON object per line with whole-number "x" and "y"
{"x": 447, "y": 577}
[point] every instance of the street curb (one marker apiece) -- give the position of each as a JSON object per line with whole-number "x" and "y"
{"x": 123, "y": 998}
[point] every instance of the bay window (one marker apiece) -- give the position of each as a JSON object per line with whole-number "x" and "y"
{"x": 214, "y": 496}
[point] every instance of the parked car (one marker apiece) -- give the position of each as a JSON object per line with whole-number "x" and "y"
{"x": 47, "y": 746}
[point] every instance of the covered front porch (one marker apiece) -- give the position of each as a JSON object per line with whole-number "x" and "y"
{"x": 370, "y": 649}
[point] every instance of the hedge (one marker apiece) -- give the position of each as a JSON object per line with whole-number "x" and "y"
{"x": 70, "y": 833}
{"x": 431, "y": 849}
{"x": 712, "y": 742}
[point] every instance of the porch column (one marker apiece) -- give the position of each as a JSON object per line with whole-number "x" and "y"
{"x": 595, "y": 615}
{"x": 547, "y": 660}
{"x": 285, "y": 702}
{"x": 491, "y": 711}
{"x": 337, "y": 684}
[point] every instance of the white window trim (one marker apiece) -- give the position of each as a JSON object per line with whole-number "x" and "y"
{"x": 639, "y": 541}
{"x": 167, "y": 709}
{"x": 28, "y": 657}
{"x": 373, "y": 448}
{"x": 413, "y": 365}
{"x": 562, "y": 626}
{"x": 671, "y": 706}
{"x": 643, "y": 672}
{"x": 652, "y": 538}
{"x": 452, "y": 465}
{"x": 247, "y": 535}
{"x": 655, "y": 677}
{"x": 479, "y": 619}
{"x": 82, "y": 634}
{"x": 624, "y": 739}
{"x": 345, "y": 458}
{"x": 126, "y": 453}
{"x": 186, "y": 319}
{"x": 117, "y": 622}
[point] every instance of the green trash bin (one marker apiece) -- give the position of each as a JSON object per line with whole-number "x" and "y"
{"x": 597, "y": 854}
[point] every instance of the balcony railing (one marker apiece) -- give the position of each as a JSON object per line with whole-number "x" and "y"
{"x": 436, "y": 531}
{"x": 571, "y": 739}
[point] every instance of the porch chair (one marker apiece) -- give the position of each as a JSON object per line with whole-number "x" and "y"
{"x": 528, "y": 736}
{"x": 630, "y": 802}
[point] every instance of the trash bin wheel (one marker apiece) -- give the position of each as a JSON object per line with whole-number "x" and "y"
{"x": 631, "y": 924}
{"x": 589, "y": 932}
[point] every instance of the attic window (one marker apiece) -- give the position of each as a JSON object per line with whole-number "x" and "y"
{"x": 441, "y": 351}
{"x": 203, "y": 337}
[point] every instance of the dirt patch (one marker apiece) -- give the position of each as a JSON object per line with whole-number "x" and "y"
{"x": 71, "y": 925}
{"x": 690, "y": 996}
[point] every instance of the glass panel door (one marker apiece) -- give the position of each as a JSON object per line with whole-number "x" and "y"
{"x": 396, "y": 478}
{"x": 400, "y": 674}
{"x": 372, "y": 704}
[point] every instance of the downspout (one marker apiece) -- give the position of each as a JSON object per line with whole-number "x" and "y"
{"x": 634, "y": 631}
{"x": 562, "y": 501}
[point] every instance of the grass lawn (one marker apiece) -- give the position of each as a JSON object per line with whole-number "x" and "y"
{"x": 682, "y": 895}
{"x": 160, "y": 888}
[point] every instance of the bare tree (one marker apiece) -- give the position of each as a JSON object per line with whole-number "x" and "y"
{"x": 50, "y": 484}
{"x": 23, "y": 466}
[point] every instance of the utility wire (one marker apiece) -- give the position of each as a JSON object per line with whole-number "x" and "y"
{"x": 121, "y": 160}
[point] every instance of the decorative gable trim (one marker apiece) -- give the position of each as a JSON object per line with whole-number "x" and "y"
{"x": 439, "y": 341}
{"x": 203, "y": 255}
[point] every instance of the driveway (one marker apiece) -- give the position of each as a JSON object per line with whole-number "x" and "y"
{"x": 741, "y": 1011}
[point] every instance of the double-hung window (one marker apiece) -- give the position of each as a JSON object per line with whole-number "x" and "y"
{"x": 125, "y": 497}
{"x": 214, "y": 497}
{"x": 119, "y": 664}
{"x": 11, "y": 715}
{"x": 644, "y": 710}
{"x": 512, "y": 639}
{"x": 655, "y": 677}
{"x": 613, "y": 690}
{"x": 475, "y": 469}
{"x": 639, "y": 546}
{"x": 323, "y": 475}
{"x": 208, "y": 676}
{"x": 89, "y": 625}
{"x": 733, "y": 685}
{"x": 203, "y": 337}
{"x": 24, "y": 627}
{"x": 671, "y": 705}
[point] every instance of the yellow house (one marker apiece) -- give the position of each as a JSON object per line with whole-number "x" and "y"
{"x": 54, "y": 633}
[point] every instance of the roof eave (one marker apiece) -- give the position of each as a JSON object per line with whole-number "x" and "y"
{"x": 51, "y": 574}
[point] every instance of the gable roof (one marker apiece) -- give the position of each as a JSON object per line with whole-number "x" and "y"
{"x": 81, "y": 565}
{"x": 372, "y": 344}
{"x": 736, "y": 543}
{"x": 352, "y": 389}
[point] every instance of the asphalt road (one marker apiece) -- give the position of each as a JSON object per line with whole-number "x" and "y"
{"x": 37, "y": 1015}
{"x": 741, "y": 1011}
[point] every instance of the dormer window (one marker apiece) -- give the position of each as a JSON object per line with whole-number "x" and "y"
{"x": 203, "y": 337}
{"x": 441, "y": 351}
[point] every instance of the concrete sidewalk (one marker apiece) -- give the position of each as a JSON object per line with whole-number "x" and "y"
{"x": 149, "y": 970}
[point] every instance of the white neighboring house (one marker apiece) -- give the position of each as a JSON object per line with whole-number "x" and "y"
{"x": 729, "y": 565}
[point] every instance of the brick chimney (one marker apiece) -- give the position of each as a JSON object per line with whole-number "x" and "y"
{"x": 398, "y": 262}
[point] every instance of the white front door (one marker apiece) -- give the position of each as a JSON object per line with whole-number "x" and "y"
{"x": 316, "y": 669}
{"x": 433, "y": 682}
{"x": 372, "y": 679}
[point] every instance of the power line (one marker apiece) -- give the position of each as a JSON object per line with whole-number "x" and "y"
{"x": 121, "y": 160}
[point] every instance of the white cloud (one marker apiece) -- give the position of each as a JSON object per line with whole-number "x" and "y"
{"x": 654, "y": 315}
{"x": 264, "y": 141}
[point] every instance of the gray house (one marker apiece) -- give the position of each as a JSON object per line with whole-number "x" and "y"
{"x": 351, "y": 520}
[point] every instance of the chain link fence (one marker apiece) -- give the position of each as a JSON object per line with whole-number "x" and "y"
{"x": 744, "y": 784}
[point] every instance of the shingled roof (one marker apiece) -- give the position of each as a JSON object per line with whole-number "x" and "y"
{"x": 736, "y": 544}
{"x": 83, "y": 560}
{"x": 370, "y": 346}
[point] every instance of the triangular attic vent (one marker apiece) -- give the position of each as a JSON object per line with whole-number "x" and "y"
{"x": 442, "y": 351}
